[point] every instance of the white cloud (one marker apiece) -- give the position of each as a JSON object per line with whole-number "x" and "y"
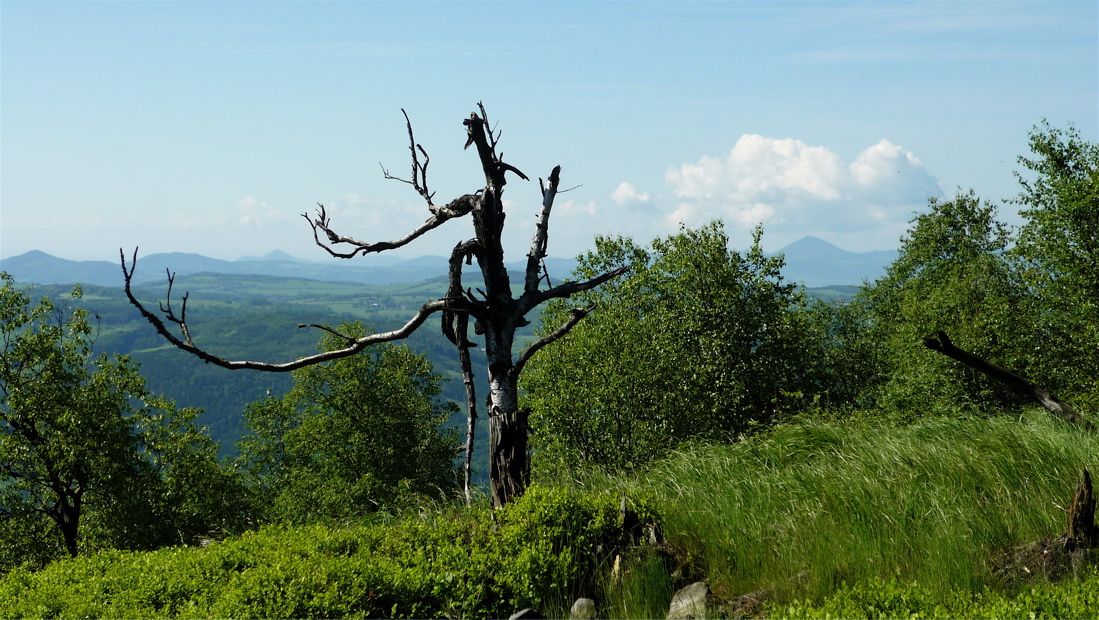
{"x": 571, "y": 207}
{"x": 255, "y": 213}
{"x": 625, "y": 194}
{"x": 791, "y": 186}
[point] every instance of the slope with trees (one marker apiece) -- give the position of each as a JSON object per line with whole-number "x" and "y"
{"x": 831, "y": 452}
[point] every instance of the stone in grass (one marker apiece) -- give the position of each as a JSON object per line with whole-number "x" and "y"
{"x": 583, "y": 609}
{"x": 690, "y": 602}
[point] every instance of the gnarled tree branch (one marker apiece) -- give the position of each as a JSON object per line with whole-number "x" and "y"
{"x": 321, "y": 222}
{"x": 541, "y": 231}
{"x": 356, "y": 344}
{"x": 1054, "y": 405}
{"x": 458, "y": 305}
{"x": 530, "y": 300}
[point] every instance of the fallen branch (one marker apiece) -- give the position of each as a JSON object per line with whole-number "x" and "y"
{"x": 1054, "y": 405}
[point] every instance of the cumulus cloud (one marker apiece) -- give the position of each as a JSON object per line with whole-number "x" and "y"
{"x": 626, "y": 195}
{"x": 790, "y": 185}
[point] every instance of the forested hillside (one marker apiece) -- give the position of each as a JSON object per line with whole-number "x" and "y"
{"x": 252, "y": 316}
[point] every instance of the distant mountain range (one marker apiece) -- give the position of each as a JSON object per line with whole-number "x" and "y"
{"x": 809, "y": 260}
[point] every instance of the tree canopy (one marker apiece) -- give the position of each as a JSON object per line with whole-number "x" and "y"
{"x": 352, "y": 436}
{"x": 698, "y": 340}
{"x": 87, "y": 457}
{"x": 1058, "y": 247}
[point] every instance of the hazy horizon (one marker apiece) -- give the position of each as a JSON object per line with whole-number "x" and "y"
{"x": 383, "y": 257}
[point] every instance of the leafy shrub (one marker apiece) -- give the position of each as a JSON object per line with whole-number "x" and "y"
{"x": 540, "y": 550}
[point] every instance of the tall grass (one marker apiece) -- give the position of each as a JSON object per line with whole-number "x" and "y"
{"x": 812, "y": 506}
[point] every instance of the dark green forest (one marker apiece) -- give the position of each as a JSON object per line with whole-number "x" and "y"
{"x": 805, "y": 453}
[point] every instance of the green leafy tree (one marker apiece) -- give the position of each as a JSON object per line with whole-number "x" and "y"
{"x": 1059, "y": 247}
{"x": 697, "y": 341}
{"x": 87, "y": 458}
{"x": 351, "y": 436}
{"x": 952, "y": 274}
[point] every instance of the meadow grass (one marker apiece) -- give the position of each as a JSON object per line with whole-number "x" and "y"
{"x": 810, "y": 507}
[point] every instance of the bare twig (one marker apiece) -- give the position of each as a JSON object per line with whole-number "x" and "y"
{"x": 419, "y": 171}
{"x": 329, "y": 330}
{"x": 181, "y": 320}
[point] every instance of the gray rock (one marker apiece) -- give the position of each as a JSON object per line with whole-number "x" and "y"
{"x": 583, "y": 609}
{"x": 690, "y": 602}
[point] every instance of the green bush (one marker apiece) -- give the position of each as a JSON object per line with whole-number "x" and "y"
{"x": 542, "y": 550}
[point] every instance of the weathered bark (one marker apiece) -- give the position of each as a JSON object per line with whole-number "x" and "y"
{"x": 1054, "y": 405}
{"x": 497, "y": 312}
{"x": 1081, "y": 514}
{"x": 509, "y": 465}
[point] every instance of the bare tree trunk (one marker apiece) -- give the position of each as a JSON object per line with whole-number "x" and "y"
{"x": 1054, "y": 405}
{"x": 509, "y": 462}
{"x": 471, "y": 405}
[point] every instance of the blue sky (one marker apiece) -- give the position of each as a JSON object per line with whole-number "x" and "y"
{"x": 209, "y": 127}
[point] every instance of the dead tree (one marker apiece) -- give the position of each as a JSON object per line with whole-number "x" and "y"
{"x": 1054, "y": 405}
{"x": 496, "y": 312}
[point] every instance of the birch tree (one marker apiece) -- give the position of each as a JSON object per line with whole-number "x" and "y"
{"x": 496, "y": 311}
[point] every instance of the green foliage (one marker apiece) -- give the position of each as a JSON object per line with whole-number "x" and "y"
{"x": 351, "y": 436}
{"x": 90, "y": 459}
{"x": 1059, "y": 247}
{"x": 952, "y": 274}
{"x": 697, "y": 340}
{"x": 538, "y": 552}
